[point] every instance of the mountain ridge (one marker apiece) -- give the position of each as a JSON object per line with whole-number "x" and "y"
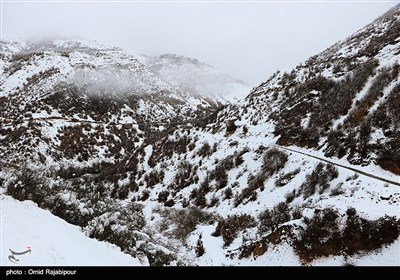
{"x": 197, "y": 77}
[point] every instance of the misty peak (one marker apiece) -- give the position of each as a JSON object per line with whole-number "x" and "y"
{"x": 197, "y": 77}
{"x": 179, "y": 59}
{"x": 68, "y": 44}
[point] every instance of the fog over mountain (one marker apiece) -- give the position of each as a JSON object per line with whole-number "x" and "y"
{"x": 234, "y": 37}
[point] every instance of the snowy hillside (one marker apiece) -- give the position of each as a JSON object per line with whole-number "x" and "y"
{"x": 51, "y": 90}
{"x": 303, "y": 171}
{"x": 245, "y": 183}
{"x": 52, "y": 240}
{"x": 342, "y": 102}
{"x": 197, "y": 77}
{"x": 83, "y": 62}
{"x": 285, "y": 167}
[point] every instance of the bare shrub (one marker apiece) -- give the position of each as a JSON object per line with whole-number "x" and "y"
{"x": 205, "y": 150}
{"x": 319, "y": 179}
{"x": 230, "y": 227}
{"x": 199, "y": 247}
{"x": 117, "y": 225}
{"x": 274, "y": 160}
{"x": 29, "y": 184}
{"x": 270, "y": 220}
{"x": 284, "y": 179}
{"x": 184, "y": 221}
{"x": 322, "y": 235}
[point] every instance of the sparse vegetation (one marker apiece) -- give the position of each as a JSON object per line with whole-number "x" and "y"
{"x": 184, "y": 221}
{"x": 318, "y": 180}
{"x": 269, "y": 220}
{"x": 29, "y": 184}
{"x": 273, "y": 161}
{"x": 284, "y": 179}
{"x": 230, "y": 227}
{"x": 322, "y": 235}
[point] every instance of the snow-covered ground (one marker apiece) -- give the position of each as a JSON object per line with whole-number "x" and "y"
{"x": 53, "y": 241}
{"x": 372, "y": 197}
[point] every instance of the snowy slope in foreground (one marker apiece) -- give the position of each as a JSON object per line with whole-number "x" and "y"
{"x": 283, "y": 255}
{"x": 53, "y": 241}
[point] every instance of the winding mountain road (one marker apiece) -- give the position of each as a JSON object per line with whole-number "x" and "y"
{"x": 397, "y": 183}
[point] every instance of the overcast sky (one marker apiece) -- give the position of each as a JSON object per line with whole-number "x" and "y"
{"x": 247, "y": 40}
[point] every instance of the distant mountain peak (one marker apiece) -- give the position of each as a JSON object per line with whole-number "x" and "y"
{"x": 68, "y": 44}
{"x": 197, "y": 77}
{"x": 171, "y": 57}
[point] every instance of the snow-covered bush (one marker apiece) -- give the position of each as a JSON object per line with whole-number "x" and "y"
{"x": 284, "y": 179}
{"x": 205, "y": 150}
{"x": 318, "y": 180}
{"x": 184, "y": 221}
{"x": 117, "y": 225}
{"x": 270, "y": 220}
{"x": 230, "y": 227}
{"x": 274, "y": 160}
{"x": 154, "y": 177}
{"x": 185, "y": 176}
{"x": 29, "y": 184}
{"x": 322, "y": 234}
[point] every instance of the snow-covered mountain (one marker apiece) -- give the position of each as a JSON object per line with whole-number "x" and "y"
{"x": 196, "y": 77}
{"x": 303, "y": 171}
{"x": 76, "y": 61}
{"x": 48, "y": 86}
{"x": 282, "y": 170}
{"x": 343, "y": 101}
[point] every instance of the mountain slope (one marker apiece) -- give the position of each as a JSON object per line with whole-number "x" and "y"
{"x": 53, "y": 93}
{"x": 338, "y": 106}
{"x": 343, "y": 100}
{"x": 52, "y": 240}
{"x": 196, "y": 77}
